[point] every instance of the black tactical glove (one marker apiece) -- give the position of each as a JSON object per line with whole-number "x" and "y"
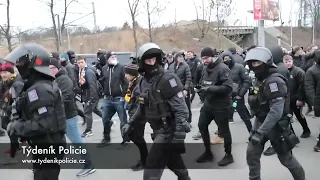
{"x": 256, "y": 139}
{"x": 126, "y": 129}
{"x": 180, "y": 134}
{"x": 204, "y": 89}
{"x": 187, "y": 127}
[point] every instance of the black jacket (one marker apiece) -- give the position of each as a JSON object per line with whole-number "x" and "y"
{"x": 277, "y": 54}
{"x": 114, "y": 82}
{"x": 71, "y": 73}
{"x": 193, "y": 64}
{"x": 183, "y": 72}
{"x": 216, "y": 76}
{"x": 312, "y": 87}
{"x": 299, "y": 61}
{"x": 239, "y": 76}
{"x": 296, "y": 84}
{"x": 198, "y": 75}
{"x": 90, "y": 89}
{"x": 237, "y": 58}
{"x": 309, "y": 61}
{"x": 65, "y": 84}
{"x": 6, "y": 98}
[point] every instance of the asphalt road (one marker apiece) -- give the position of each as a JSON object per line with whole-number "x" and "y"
{"x": 271, "y": 167}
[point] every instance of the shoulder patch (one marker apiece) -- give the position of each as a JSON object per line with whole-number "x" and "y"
{"x": 173, "y": 82}
{"x": 180, "y": 94}
{"x": 42, "y": 110}
{"x": 273, "y": 87}
{"x": 32, "y": 95}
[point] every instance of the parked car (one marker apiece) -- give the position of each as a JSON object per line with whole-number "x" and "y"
{"x": 123, "y": 58}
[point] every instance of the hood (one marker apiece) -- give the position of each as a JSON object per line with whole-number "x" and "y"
{"x": 228, "y": 53}
{"x": 232, "y": 50}
{"x": 62, "y": 71}
{"x": 277, "y": 54}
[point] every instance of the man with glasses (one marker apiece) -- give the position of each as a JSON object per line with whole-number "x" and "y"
{"x": 216, "y": 85}
{"x": 115, "y": 88}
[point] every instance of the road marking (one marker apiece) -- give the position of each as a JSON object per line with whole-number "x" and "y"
{"x": 116, "y": 118}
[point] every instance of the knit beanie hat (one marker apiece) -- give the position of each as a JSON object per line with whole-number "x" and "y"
{"x": 131, "y": 69}
{"x": 64, "y": 56}
{"x": 55, "y": 62}
{"x": 7, "y": 67}
{"x": 108, "y": 55}
{"x": 209, "y": 52}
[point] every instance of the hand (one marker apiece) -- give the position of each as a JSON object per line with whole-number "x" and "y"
{"x": 204, "y": 89}
{"x": 196, "y": 89}
{"x": 88, "y": 103}
{"x": 125, "y": 130}
{"x": 185, "y": 93}
{"x": 256, "y": 139}
{"x": 237, "y": 97}
{"x": 11, "y": 127}
{"x": 299, "y": 103}
{"x": 187, "y": 127}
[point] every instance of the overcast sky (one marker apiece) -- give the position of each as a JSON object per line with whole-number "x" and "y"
{"x": 31, "y": 14}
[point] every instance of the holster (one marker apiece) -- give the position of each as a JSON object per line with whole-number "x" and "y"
{"x": 286, "y": 140}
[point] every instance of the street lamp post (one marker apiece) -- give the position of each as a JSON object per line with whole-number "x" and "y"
{"x": 261, "y": 33}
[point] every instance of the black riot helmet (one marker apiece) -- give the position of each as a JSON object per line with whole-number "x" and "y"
{"x": 28, "y": 57}
{"x": 260, "y": 54}
{"x": 149, "y": 51}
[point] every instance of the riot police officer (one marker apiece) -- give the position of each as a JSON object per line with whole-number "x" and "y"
{"x": 40, "y": 117}
{"x": 270, "y": 104}
{"x": 162, "y": 104}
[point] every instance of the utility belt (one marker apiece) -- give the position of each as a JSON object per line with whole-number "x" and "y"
{"x": 285, "y": 140}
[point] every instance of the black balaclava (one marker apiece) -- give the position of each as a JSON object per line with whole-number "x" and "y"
{"x": 151, "y": 70}
{"x": 261, "y": 71}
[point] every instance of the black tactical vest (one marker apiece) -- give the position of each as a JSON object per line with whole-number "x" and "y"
{"x": 259, "y": 103}
{"x": 57, "y": 118}
{"x": 153, "y": 104}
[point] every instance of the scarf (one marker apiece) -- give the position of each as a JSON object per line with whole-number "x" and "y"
{"x": 82, "y": 75}
{"x": 132, "y": 85}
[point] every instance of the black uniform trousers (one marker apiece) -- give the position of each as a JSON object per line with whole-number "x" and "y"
{"x": 161, "y": 155}
{"x": 297, "y": 111}
{"x": 137, "y": 137}
{"x": 48, "y": 171}
{"x": 221, "y": 117}
{"x": 243, "y": 113}
{"x": 188, "y": 102}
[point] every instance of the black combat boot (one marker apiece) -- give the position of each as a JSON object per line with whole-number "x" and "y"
{"x": 317, "y": 147}
{"x": 205, "y": 157}
{"x": 139, "y": 166}
{"x": 226, "y": 160}
{"x": 269, "y": 152}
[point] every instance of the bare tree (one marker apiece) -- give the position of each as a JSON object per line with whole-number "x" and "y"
{"x": 134, "y": 11}
{"x": 58, "y": 27}
{"x": 5, "y": 30}
{"x": 204, "y": 13}
{"x": 223, "y": 9}
{"x": 314, "y": 10}
{"x": 154, "y": 10}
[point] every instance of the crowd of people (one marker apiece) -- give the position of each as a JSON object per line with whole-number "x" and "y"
{"x": 39, "y": 93}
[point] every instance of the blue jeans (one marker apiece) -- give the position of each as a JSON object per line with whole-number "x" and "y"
{"x": 73, "y": 134}
{"x": 109, "y": 108}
